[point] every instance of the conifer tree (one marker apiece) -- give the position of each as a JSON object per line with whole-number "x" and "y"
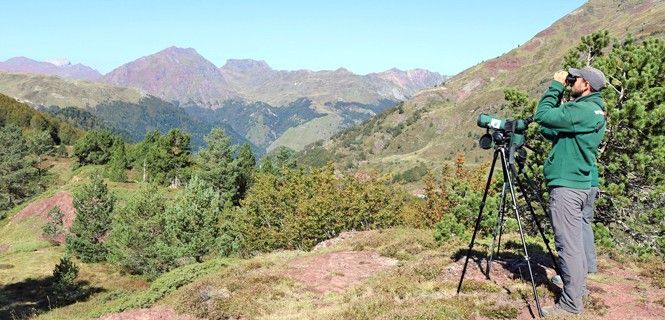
{"x": 216, "y": 164}
{"x": 138, "y": 242}
{"x": 245, "y": 164}
{"x": 192, "y": 222}
{"x": 117, "y": 166}
{"x": 94, "y": 208}
{"x": 19, "y": 175}
{"x": 631, "y": 161}
{"x": 64, "y": 288}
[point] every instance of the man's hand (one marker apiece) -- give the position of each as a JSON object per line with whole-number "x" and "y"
{"x": 561, "y": 76}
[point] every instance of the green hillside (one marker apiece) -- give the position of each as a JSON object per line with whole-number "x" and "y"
{"x": 438, "y": 122}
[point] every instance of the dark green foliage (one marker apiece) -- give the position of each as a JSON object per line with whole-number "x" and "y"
{"x": 95, "y": 147}
{"x": 117, "y": 167}
{"x": 245, "y": 164}
{"x": 94, "y": 207}
{"x": 150, "y": 113}
{"x": 40, "y": 143}
{"x": 138, "y": 242}
{"x": 411, "y": 175}
{"x": 278, "y": 160}
{"x": 19, "y": 175}
{"x": 53, "y": 228}
{"x": 296, "y": 210}
{"x": 29, "y": 119}
{"x": 64, "y": 287}
{"x": 448, "y": 228}
{"x": 216, "y": 165}
{"x": 166, "y": 159}
{"x": 631, "y": 160}
{"x": 192, "y": 221}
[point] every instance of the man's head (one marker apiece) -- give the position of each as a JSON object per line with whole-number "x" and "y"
{"x": 588, "y": 79}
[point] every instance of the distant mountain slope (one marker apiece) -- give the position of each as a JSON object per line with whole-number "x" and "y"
{"x": 128, "y": 111}
{"x": 437, "y": 122}
{"x": 256, "y": 80}
{"x": 174, "y": 74}
{"x": 61, "y": 68}
{"x": 249, "y": 95}
{"x": 51, "y": 90}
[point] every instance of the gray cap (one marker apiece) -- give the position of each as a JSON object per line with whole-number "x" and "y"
{"x": 593, "y": 76}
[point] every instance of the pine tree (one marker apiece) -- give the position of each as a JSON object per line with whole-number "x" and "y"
{"x": 19, "y": 175}
{"x": 168, "y": 157}
{"x": 138, "y": 242}
{"x": 94, "y": 209}
{"x": 631, "y": 161}
{"x": 54, "y": 225}
{"x": 117, "y": 166}
{"x": 192, "y": 222}
{"x": 94, "y": 148}
{"x": 245, "y": 165}
{"x": 64, "y": 288}
{"x": 216, "y": 164}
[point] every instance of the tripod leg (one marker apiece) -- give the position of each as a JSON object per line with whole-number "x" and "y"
{"x": 535, "y": 217}
{"x": 503, "y": 221}
{"x": 506, "y": 168}
{"x": 497, "y": 230}
{"x": 480, "y": 214}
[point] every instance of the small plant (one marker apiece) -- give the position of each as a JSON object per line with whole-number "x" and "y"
{"x": 54, "y": 227}
{"x": 602, "y": 235}
{"x": 448, "y": 228}
{"x": 64, "y": 287}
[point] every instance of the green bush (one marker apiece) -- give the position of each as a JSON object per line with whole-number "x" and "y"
{"x": 138, "y": 243}
{"x": 64, "y": 287}
{"x": 296, "y": 210}
{"x": 448, "y": 228}
{"x": 54, "y": 225}
{"x": 94, "y": 208}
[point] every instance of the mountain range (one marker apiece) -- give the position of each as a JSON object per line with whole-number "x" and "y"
{"x": 429, "y": 128}
{"x": 250, "y": 90}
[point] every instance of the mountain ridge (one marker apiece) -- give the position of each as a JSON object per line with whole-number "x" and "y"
{"x": 436, "y": 123}
{"x": 61, "y": 68}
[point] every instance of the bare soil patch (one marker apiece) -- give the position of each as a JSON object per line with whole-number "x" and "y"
{"x": 616, "y": 293}
{"x": 338, "y": 271}
{"x": 154, "y": 313}
{"x": 40, "y": 208}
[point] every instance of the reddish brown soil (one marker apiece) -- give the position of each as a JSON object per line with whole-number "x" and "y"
{"x": 339, "y": 270}
{"x": 616, "y": 294}
{"x": 504, "y": 63}
{"x": 40, "y": 208}
{"x": 154, "y": 313}
{"x": 532, "y": 45}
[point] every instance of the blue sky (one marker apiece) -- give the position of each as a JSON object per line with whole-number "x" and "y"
{"x": 362, "y": 36}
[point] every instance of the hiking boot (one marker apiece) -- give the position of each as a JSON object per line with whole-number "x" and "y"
{"x": 557, "y": 281}
{"x": 555, "y": 311}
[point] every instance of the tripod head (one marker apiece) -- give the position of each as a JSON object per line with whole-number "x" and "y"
{"x": 509, "y": 134}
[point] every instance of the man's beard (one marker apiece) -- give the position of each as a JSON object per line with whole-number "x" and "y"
{"x": 575, "y": 94}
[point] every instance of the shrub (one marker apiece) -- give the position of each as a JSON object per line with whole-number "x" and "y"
{"x": 64, "y": 287}
{"x": 53, "y": 227}
{"x": 94, "y": 208}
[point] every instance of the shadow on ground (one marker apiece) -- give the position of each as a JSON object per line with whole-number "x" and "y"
{"x": 512, "y": 260}
{"x": 30, "y": 297}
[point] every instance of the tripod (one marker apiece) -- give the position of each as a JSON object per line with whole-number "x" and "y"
{"x": 507, "y": 156}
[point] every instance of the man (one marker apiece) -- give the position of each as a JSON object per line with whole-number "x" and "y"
{"x": 579, "y": 127}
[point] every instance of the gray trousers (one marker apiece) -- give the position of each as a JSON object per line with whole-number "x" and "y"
{"x": 566, "y": 210}
{"x": 589, "y": 245}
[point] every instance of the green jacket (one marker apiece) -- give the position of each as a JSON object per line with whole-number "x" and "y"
{"x": 551, "y": 135}
{"x": 579, "y": 126}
